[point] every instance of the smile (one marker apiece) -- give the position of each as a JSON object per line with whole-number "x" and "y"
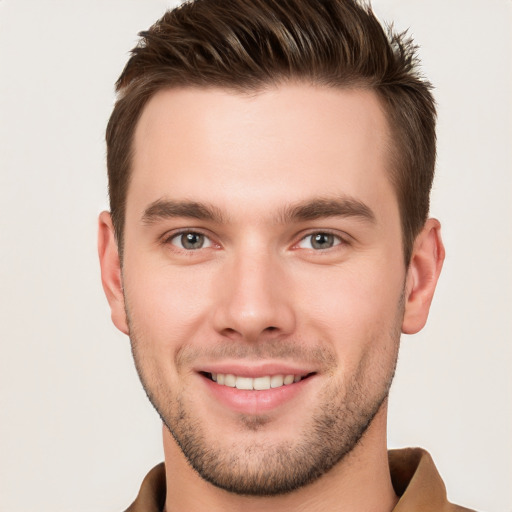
{"x": 257, "y": 389}
{"x": 256, "y": 383}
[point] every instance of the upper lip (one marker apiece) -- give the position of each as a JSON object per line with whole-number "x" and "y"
{"x": 255, "y": 370}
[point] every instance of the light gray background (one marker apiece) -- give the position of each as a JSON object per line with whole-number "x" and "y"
{"x": 76, "y": 432}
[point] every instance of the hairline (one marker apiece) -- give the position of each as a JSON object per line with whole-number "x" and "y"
{"x": 391, "y": 148}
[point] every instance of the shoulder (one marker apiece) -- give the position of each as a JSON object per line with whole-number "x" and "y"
{"x": 151, "y": 497}
{"x": 418, "y": 483}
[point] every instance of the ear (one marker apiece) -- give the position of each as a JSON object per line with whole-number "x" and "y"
{"x": 422, "y": 275}
{"x": 111, "y": 271}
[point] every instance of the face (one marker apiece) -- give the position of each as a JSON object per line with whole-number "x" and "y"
{"x": 263, "y": 277}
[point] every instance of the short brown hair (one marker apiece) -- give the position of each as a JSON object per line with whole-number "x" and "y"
{"x": 245, "y": 45}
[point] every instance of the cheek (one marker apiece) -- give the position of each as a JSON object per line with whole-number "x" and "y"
{"x": 166, "y": 306}
{"x": 353, "y": 306}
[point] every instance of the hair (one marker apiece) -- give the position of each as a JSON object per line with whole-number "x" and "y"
{"x": 247, "y": 45}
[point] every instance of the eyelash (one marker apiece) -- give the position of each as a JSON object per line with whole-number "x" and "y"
{"x": 338, "y": 240}
{"x": 169, "y": 239}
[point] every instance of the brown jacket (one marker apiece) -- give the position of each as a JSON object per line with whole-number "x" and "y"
{"x": 414, "y": 475}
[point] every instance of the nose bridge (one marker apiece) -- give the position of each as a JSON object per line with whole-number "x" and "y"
{"x": 253, "y": 300}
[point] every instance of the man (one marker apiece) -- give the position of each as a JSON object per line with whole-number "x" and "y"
{"x": 270, "y": 165}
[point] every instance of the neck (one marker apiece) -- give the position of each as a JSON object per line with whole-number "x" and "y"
{"x": 359, "y": 482}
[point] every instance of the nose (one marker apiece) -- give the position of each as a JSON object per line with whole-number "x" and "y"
{"x": 254, "y": 300}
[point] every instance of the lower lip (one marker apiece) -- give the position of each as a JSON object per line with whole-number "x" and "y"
{"x": 255, "y": 402}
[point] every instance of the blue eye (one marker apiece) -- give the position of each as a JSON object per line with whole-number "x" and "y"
{"x": 319, "y": 241}
{"x": 190, "y": 241}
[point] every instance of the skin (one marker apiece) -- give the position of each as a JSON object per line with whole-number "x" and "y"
{"x": 259, "y": 294}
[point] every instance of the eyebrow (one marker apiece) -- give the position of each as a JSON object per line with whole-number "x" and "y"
{"x": 162, "y": 209}
{"x": 312, "y": 209}
{"x": 320, "y": 208}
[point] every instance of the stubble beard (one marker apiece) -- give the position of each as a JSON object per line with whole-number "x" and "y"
{"x": 343, "y": 414}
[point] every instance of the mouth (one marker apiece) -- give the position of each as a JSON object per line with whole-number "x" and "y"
{"x": 254, "y": 389}
{"x": 261, "y": 383}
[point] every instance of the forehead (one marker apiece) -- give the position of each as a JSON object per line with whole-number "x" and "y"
{"x": 279, "y": 145}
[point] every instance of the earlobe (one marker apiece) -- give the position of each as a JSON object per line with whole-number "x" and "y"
{"x": 422, "y": 275}
{"x": 111, "y": 271}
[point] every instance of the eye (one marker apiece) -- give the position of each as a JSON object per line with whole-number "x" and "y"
{"x": 190, "y": 241}
{"x": 319, "y": 241}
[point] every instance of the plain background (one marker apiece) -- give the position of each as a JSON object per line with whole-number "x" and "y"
{"x": 76, "y": 431}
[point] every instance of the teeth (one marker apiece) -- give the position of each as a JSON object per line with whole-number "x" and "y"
{"x": 258, "y": 383}
{"x": 288, "y": 380}
{"x": 276, "y": 381}
{"x": 244, "y": 383}
{"x": 261, "y": 383}
{"x": 230, "y": 380}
